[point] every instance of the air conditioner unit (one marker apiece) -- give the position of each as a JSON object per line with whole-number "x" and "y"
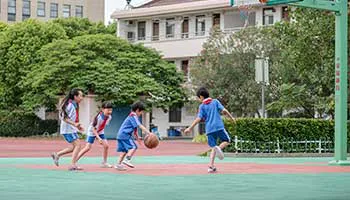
{"x": 130, "y": 23}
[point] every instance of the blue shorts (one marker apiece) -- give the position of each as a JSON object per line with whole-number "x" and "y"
{"x": 221, "y": 134}
{"x": 91, "y": 139}
{"x": 126, "y": 145}
{"x": 70, "y": 137}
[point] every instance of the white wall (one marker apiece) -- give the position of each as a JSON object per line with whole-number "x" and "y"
{"x": 161, "y": 119}
{"x": 178, "y": 48}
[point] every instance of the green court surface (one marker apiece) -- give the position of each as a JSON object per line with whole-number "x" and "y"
{"x": 24, "y": 183}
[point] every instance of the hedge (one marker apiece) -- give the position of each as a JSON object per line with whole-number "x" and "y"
{"x": 21, "y": 124}
{"x": 282, "y": 129}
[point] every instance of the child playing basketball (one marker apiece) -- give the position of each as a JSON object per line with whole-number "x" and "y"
{"x": 126, "y": 144}
{"x": 69, "y": 114}
{"x": 96, "y": 131}
{"x": 210, "y": 110}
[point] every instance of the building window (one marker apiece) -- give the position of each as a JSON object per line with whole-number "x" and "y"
{"x": 184, "y": 67}
{"x": 66, "y": 11}
{"x": 268, "y": 16}
{"x": 216, "y": 20}
{"x": 171, "y": 61}
{"x": 175, "y": 115}
{"x": 170, "y": 28}
{"x": 26, "y": 10}
{"x": 285, "y": 13}
{"x": 53, "y": 10}
{"x": 141, "y": 30}
{"x": 200, "y": 25}
{"x": 79, "y": 11}
{"x": 131, "y": 36}
{"x": 185, "y": 28}
{"x": 155, "y": 31}
{"x": 11, "y": 11}
{"x": 41, "y": 9}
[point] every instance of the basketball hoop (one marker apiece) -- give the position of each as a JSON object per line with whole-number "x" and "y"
{"x": 244, "y": 7}
{"x": 244, "y": 11}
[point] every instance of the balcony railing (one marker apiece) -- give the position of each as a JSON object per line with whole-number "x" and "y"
{"x": 181, "y": 36}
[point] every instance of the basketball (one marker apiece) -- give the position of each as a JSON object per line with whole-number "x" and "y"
{"x": 151, "y": 141}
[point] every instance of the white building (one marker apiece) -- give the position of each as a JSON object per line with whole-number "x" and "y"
{"x": 178, "y": 29}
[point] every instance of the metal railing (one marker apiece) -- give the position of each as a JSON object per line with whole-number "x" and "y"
{"x": 180, "y": 36}
{"x": 286, "y": 146}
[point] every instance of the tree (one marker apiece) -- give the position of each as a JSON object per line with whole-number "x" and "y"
{"x": 303, "y": 72}
{"x": 3, "y": 26}
{"x": 82, "y": 26}
{"x": 104, "y": 65}
{"x": 301, "y": 56}
{"x": 19, "y": 44}
{"x": 226, "y": 68}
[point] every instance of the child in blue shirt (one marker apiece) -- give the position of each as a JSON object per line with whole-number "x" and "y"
{"x": 210, "y": 111}
{"x": 126, "y": 145}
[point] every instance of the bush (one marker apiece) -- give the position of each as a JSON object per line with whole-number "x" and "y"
{"x": 200, "y": 139}
{"x": 263, "y": 131}
{"x": 21, "y": 124}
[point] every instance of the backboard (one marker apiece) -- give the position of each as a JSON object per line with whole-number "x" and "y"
{"x": 235, "y": 3}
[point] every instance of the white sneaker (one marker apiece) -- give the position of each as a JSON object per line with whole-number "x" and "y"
{"x": 211, "y": 169}
{"x": 219, "y": 152}
{"x": 128, "y": 163}
{"x": 55, "y": 158}
{"x": 120, "y": 167}
{"x": 106, "y": 165}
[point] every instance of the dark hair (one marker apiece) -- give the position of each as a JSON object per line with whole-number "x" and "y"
{"x": 203, "y": 92}
{"x": 70, "y": 96}
{"x": 105, "y": 104}
{"x": 138, "y": 106}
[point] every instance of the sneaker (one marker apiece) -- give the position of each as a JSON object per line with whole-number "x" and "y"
{"x": 120, "y": 167}
{"x": 55, "y": 158}
{"x": 219, "y": 152}
{"x": 128, "y": 163}
{"x": 106, "y": 165}
{"x": 211, "y": 169}
{"x": 74, "y": 168}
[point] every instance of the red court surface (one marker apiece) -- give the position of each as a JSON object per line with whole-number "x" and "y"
{"x": 22, "y": 147}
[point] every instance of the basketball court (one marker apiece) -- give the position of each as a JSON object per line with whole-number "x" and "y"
{"x": 171, "y": 171}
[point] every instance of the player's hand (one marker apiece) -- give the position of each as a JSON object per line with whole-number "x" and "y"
{"x": 187, "y": 130}
{"x": 80, "y": 127}
{"x": 100, "y": 140}
{"x": 233, "y": 120}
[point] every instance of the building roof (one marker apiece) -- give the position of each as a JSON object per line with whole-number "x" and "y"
{"x": 186, "y": 6}
{"x": 155, "y": 3}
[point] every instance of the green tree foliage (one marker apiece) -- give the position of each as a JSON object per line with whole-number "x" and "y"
{"x": 19, "y": 44}
{"x": 104, "y": 65}
{"x": 303, "y": 72}
{"x": 3, "y": 26}
{"x": 226, "y": 68}
{"x": 83, "y": 26}
{"x": 301, "y": 56}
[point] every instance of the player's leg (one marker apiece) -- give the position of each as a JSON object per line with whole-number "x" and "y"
{"x": 56, "y": 155}
{"x": 76, "y": 149}
{"x": 123, "y": 151}
{"x": 84, "y": 150}
{"x": 105, "y": 145}
{"x": 225, "y": 141}
{"x": 212, "y": 138}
